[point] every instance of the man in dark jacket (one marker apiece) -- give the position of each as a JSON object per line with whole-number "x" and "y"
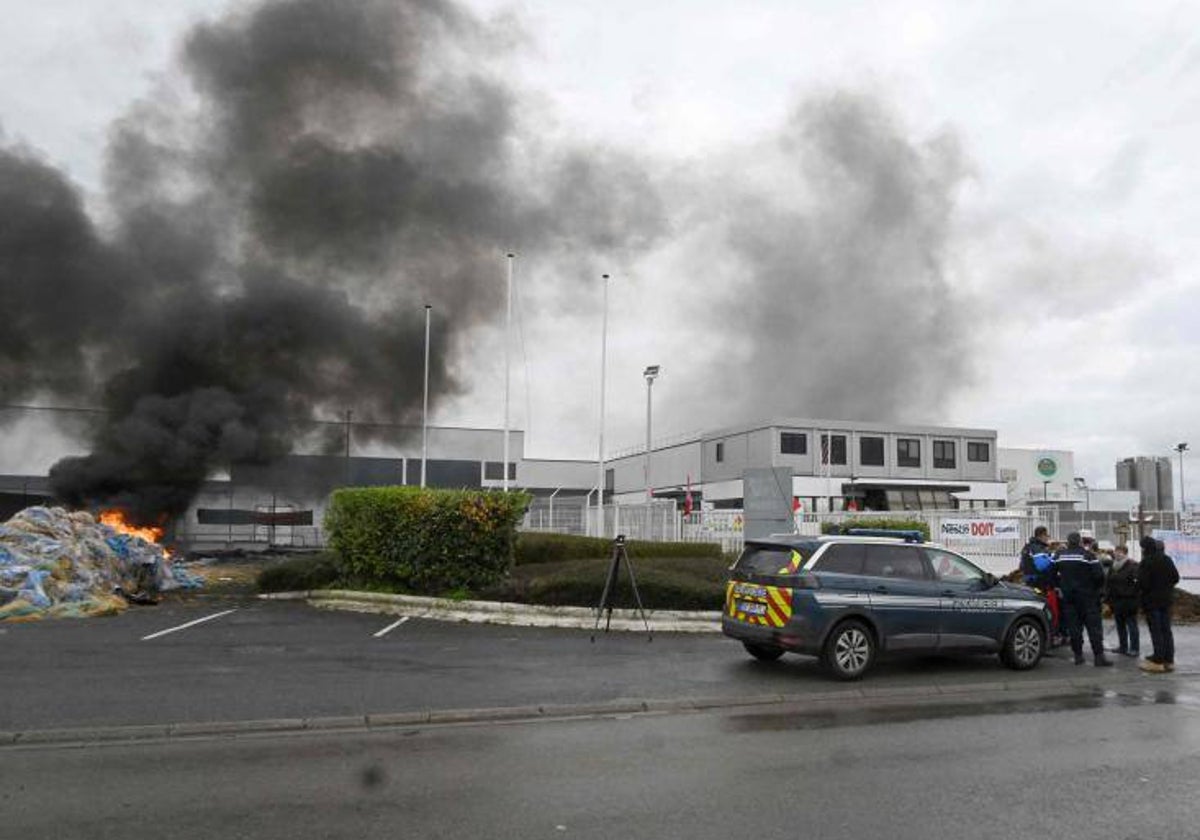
{"x": 1121, "y": 592}
{"x": 1156, "y": 583}
{"x": 1081, "y": 579}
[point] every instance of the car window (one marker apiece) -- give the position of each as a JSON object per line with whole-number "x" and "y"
{"x": 894, "y": 561}
{"x": 951, "y": 567}
{"x": 845, "y": 558}
{"x": 771, "y": 560}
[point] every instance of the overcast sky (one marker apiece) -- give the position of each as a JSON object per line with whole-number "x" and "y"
{"x": 1069, "y": 244}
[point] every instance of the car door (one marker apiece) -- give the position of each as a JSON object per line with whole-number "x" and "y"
{"x": 972, "y": 617}
{"x": 905, "y": 599}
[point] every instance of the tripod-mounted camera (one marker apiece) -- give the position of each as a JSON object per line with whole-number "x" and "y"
{"x": 610, "y": 586}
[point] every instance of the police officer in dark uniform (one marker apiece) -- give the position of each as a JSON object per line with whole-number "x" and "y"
{"x": 1080, "y": 577}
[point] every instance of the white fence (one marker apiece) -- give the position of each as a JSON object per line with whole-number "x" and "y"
{"x": 991, "y": 538}
{"x": 658, "y": 521}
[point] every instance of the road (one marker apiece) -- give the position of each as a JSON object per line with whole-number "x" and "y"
{"x": 264, "y": 660}
{"x": 1120, "y": 764}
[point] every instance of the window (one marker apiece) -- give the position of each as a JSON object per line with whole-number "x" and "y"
{"x": 951, "y": 567}
{"x": 870, "y": 451}
{"x": 768, "y": 560}
{"x": 908, "y": 452}
{"x": 894, "y": 561}
{"x": 494, "y": 471}
{"x": 943, "y": 454}
{"x": 833, "y": 449}
{"x": 720, "y": 452}
{"x": 793, "y": 443}
{"x": 978, "y": 452}
{"x": 843, "y": 558}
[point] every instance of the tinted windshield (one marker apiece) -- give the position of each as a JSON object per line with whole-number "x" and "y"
{"x": 772, "y": 559}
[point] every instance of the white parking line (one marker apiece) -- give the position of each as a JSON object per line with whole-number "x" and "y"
{"x": 186, "y": 626}
{"x": 391, "y": 627}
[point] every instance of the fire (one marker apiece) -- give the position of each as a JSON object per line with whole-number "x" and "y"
{"x": 116, "y": 520}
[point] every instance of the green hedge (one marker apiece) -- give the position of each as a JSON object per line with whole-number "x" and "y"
{"x": 553, "y": 548}
{"x": 421, "y": 540}
{"x": 298, "y": 574}
{"x": 891, "y": 523}
{"x": 681, "y": 583}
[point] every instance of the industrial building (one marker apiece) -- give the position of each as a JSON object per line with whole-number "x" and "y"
{"x": 1151, "y": 478}
{"x": 835, "y": 464}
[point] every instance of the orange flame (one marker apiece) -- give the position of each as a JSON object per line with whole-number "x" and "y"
{"x": 116, "y": 520}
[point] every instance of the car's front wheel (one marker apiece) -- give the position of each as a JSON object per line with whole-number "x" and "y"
{"x": 849, "y": 650}
{"x": 1024, "y": 646}
{"x": 763, "y": 653}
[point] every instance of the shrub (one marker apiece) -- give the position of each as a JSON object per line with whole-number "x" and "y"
{"x": 535, "y": 547}
{"x": 680, "y": 583}
{"x": 421, "y": 540}
{"x": 890, "y": 523}
{"x": 299, "y": 574}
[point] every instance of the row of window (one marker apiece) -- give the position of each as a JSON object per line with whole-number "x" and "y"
{"x": 884, "y": 560}
{"x": 896, "y": 561}
{"x": 870, "y": 450}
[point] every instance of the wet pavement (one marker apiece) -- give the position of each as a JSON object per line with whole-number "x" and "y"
{"x": 1117, "y": 763}
{"x": 212, "y": 659}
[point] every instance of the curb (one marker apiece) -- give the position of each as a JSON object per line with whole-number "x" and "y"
{"x": 502, "y": 612}
{"x": 362, "y": 724}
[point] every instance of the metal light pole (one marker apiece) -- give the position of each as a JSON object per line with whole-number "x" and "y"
{"x": 425, "y": 403}
{"x": 1081, "y": 483}
{"x": 1181, "y": 448}
{"x": 603, "y": 382}
{"x": 651, "y": 373}
{"x": 507, "y": 378}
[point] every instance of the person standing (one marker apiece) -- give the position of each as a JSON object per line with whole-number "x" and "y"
{"x": 1156, "y": 583}
{"x": 1080, "y": 577}
{"x": 1036, "y": 571}
{"x": 1122, "y": 592}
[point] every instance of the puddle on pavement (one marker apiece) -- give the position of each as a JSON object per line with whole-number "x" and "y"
{"x": 892, "y": 713}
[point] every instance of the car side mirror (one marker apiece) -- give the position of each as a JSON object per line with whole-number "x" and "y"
{"x": 989, "y": 580}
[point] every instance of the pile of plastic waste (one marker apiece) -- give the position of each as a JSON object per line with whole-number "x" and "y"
{"x": 58, "y": 563}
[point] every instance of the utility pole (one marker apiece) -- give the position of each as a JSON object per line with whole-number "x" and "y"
{"x": 651, "y": 373}
{"x": 1181, "y": 448}
{"x": 600, "y": 456}
{"x": 507, "y": 367}
{"x": 425, "y": 403}
{"x": 349, "y": 417}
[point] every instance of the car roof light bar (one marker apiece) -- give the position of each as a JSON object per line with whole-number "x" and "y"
{"x": 907, "y": 536}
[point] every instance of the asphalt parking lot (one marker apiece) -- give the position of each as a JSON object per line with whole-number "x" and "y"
{"x": 214, "y": 659}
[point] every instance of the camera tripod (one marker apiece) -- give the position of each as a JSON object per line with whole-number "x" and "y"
{"x": 610, "y": 586}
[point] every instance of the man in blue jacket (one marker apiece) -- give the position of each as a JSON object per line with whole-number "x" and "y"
{"x": 1080, "y": 577}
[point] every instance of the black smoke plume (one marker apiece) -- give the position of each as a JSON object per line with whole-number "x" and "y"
{"x": 840, "y": 271}
{"x": 273, "y": 231}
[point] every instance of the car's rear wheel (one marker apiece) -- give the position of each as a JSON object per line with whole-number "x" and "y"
{"x": 1024, "y": 646}
{"x": 849, "y": 650}
{"x": 763, "y": 653}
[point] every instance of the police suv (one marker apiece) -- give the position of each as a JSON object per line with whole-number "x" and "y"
{"x": 847, "y": 599}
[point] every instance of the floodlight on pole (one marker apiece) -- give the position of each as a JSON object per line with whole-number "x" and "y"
{"x": 1081, "y": 483}
{"x": 425, "y": 401}
{"x": 1181, "y": 448}
{"x": 651, "y": 373}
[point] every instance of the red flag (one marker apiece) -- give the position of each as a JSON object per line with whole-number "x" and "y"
{"x": 687, "y": 499}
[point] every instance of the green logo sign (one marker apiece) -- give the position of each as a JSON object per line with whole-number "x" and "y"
{"x": 1047, "y": 467}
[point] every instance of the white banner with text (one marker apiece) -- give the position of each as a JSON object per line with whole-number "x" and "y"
{"x": 980, "y": 529}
